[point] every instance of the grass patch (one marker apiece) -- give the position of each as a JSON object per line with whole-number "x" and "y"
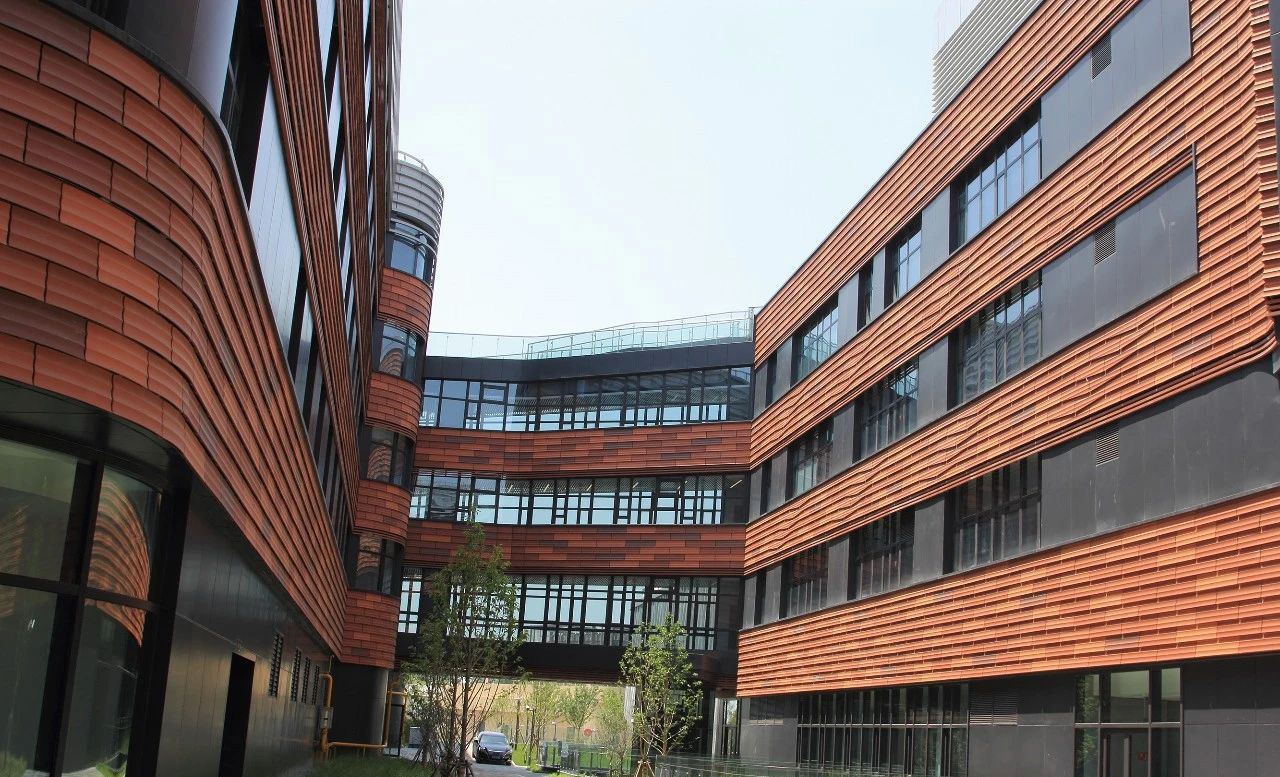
{"x": 369, "y": 766}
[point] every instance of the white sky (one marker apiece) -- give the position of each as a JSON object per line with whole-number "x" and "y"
{"x": 609, "y": 161}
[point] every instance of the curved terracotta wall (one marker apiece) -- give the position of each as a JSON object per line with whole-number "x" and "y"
{"x": 718, "y": 447}
{"x": 641, "y": 549}
{"x": 405, "y": 299}
{"x": 370, "y": 634}
{"x": 394, "y": 403}
{"x": 383, "y": 509}
{"x": 127, "y": 281}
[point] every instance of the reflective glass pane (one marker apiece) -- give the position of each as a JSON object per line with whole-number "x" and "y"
{"x": 1127, "y": 700}
{"x": 124, "y": 538}
{"x": 106, "y": 676}
{"x": 26, "y": 628}
{"x": 35, "y": 505}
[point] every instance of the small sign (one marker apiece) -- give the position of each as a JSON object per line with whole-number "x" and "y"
{"x": 326, "y": 718}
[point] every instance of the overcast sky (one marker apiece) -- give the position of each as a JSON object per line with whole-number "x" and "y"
{"x": 610, "y": 161}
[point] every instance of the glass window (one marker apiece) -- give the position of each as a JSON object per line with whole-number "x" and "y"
{"x": 903, "y": 263}
{"x": 26, "y": 633}
{"x": 373, "y": 564}
{"x": 692, "y": 499}
{"x": 809, "y": 459}
{"x": 398, "y": 352}
{"x": 995, "y": 516}
{"x": 887, "y": 411}
{"x": 1128, "y": 723}
{"x": 650, "y": 399}
{"x": 35, "y": 506}
{"x": 106, "y": 679}
{"x": 881, "y": 555}
{"x": 412, "y": 580}
{"x": 388, "y": 457}
{"x": 804, "y": 582}
{"x": 998, "y": 179}
{"x": 998, "y": 342}
{"x": 815, "y": 342}
{"x": 411, "y": 250}
{"x": 124, "y": 539}
{"x": 865, "y": 294}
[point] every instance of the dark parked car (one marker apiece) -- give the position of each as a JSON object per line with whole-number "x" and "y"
{"x": 493, "y": 747}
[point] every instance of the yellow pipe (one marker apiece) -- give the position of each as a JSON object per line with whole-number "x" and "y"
{"x": 326, "y": 745}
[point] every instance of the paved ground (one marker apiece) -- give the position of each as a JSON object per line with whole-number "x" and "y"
{"x": 493, "y": 770}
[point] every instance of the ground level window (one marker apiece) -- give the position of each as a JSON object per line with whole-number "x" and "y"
{"x": 1129, "y": 723}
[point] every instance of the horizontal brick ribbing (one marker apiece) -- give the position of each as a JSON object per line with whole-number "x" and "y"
{"x": 1195, "y": 585}
{"x": 405, "y": 299}
{"x": 676, "y": 550}
{"x": 382, "y": 508}
{"x": 369, "y": 635}
{"x": 689, "y": 448}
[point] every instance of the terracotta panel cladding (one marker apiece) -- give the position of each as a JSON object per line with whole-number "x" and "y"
{"x": 128, "y": 282}
{"x": 369, "y": 635}
{"x": 689, "y": 448}
{"x": 394, "y": 403}
{"x": 674, "y": 550}
{"x": 405, "y": 299}
{"x": 1196, "y": 585}
{"x": 1220, "y": 103}
{"x": 382, "y": 509}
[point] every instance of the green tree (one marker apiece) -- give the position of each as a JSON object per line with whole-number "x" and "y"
{"x": 615, "y": 730}
{"x": 468, "y": 636}
{"x": 577, "y": 704}
{"x": 542, "y": 704}
{"x": 668, "y": 695}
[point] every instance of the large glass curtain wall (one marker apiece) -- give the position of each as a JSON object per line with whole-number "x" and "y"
{"x": 79, "y": 540}
{"x": 597, "y": 609}
{"x": 648, "y": 499}
{"x": 914, "y": 731}
{"x": 649, "y": 399}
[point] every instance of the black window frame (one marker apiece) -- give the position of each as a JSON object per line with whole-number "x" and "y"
{"x": 804, "y": 581}
{"x": 905, "y": 250}
{"x": 989, "y": 338}
{"x": 399, "y": 456}
{"x": 816, "y": 340}
{"x": 893, "y": 399}
{"x": 809, "y": 458}
{"x": 410, "y": 342}
{"x": 881, "y": 555}
{"x": 984, "y": 506}
{"x": 370, "y": 556}
{"x": 990, "y": 173}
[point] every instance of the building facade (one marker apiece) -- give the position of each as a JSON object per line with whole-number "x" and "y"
{"x": 990, "y": 486}
{"x": 206, "y": 369}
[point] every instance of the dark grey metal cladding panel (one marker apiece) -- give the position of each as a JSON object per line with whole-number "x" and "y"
{"x": 935, "y": 233}
{"x": 772, "y": 593}
{"x": 759, "y": 388}
{"x": 1055, "y": 124}
{"x": 837, "y": 571}
{"x": 844, "y": 434}
{"x": 928, "y": 555}
{"x": 847, "y": 302}
{"x": 1158, "y": 470}
{"x": 617, "y": 363}
{"x": 1108, "y": 481}
{"x": 1191, "y": 447}
{"x": 1067, "y": 291}
{"x": 1115, "y": 280}
{"x": 1175, "y": 18}
{"x": 193, "y": 38}
{"x": 754, "y": 487}
{"x": 226, "y": 606}
{"x": 931, "y": 390}
{"x": 749, "y": 602}
{"x": 778, "y": 480}
{"x": 877, "y": 286}
{"x": 782, "y": 379}
{"x": 1066, "y": 491}
{"x": 1260, "y": 442}
{"x": 729, "y": 605}
{"x": 1175, "y": 210}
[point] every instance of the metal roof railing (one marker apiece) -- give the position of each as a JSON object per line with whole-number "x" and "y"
{"x": 732, "y": 327}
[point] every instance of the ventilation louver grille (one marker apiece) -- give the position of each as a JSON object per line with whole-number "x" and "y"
{"x": 1108, "y": 448}
{"x": 1104, "y": 242}
{"x": 1100, "y": 55}
{"x": 994, "y": 708}
{"x": 277, "y": 655}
